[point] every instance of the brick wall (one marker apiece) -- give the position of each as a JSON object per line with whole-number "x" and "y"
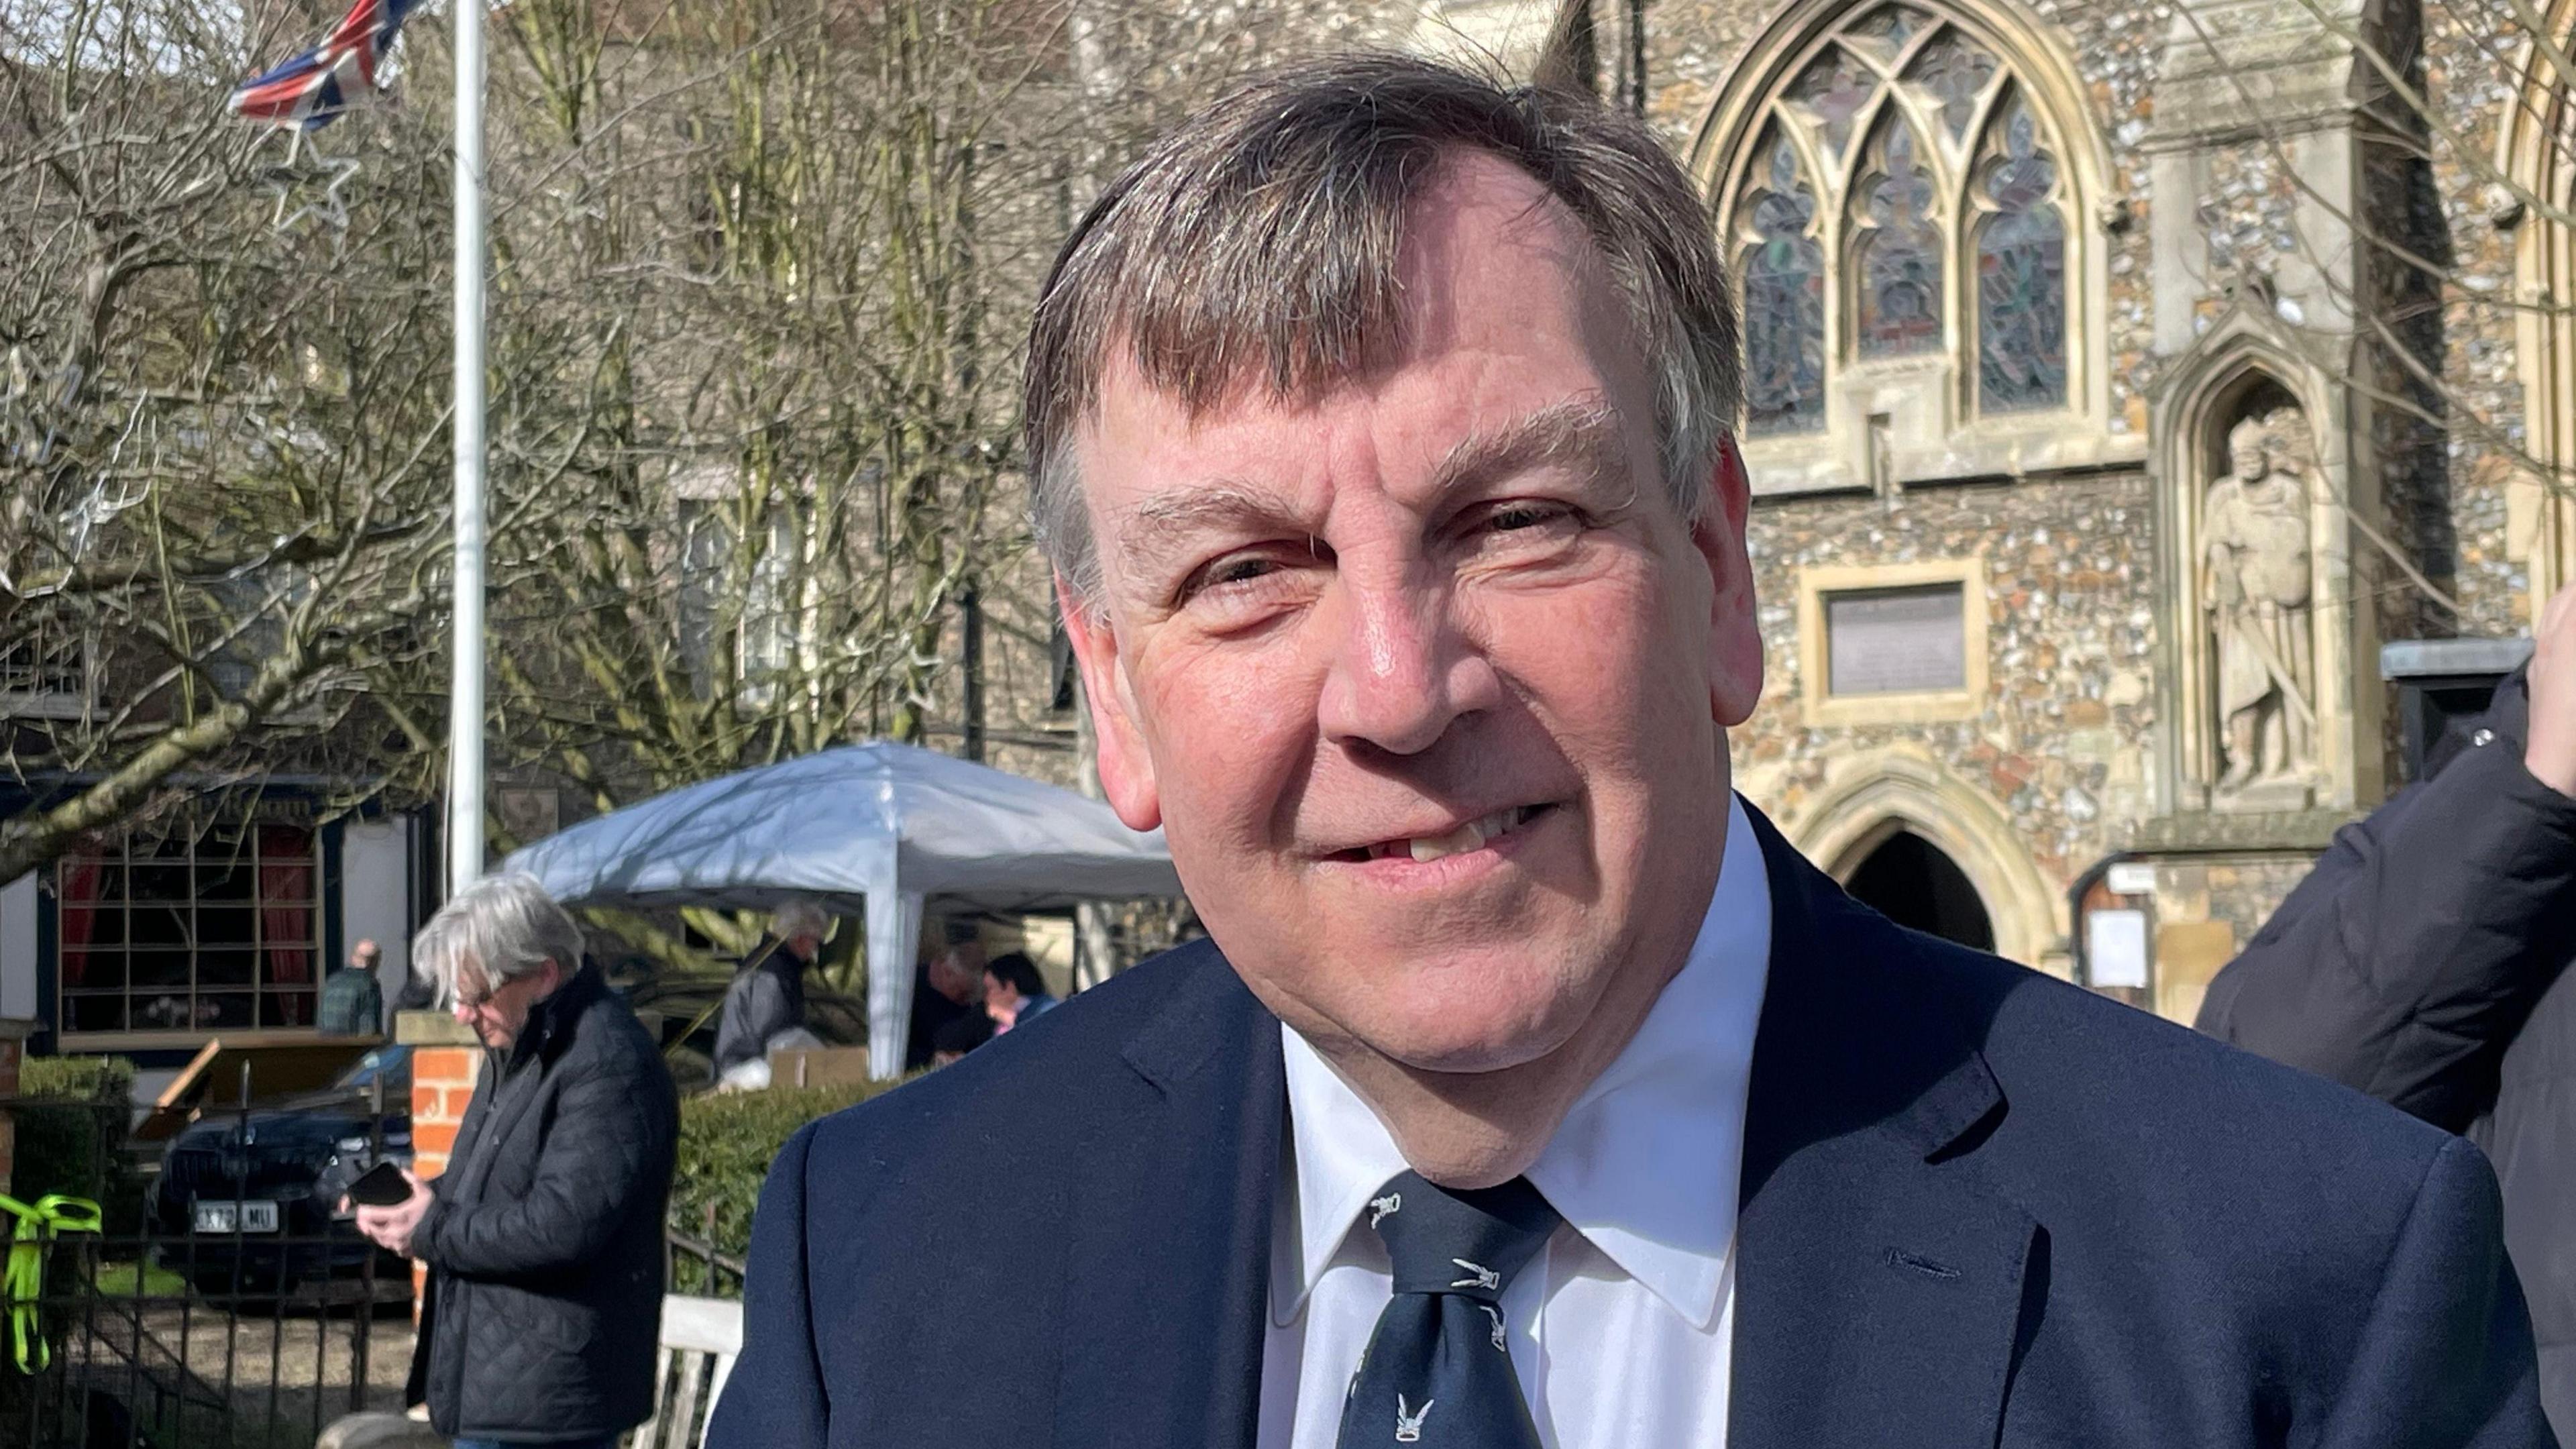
{"x": 445, "y": 1060}
{"x": 13, "y": 1050}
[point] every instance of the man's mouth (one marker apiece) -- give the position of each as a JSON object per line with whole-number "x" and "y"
{"x": 1474, "y": 835}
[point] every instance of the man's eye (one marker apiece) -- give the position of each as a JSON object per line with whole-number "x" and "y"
{"x": 1229, "y": 573}
{"x": 1241, "y": 570}
{"x": 1514, "y": 516}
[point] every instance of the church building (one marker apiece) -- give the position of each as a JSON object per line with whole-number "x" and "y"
{"x": 2133, "y": 391}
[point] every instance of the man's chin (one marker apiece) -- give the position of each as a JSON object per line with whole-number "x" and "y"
{"x": 1459, "y": 1044}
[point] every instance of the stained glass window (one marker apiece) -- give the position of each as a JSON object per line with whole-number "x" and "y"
{"x": 1833, "y": 88}
{"x": 1784, "y": 301}
{"x": 2021, "y": 274}
{"x": 1899, "y": 294}
{"x": 1955, "y": 70}
{"x": 1886, "y": 29}
{"x": 1907, "y": 197}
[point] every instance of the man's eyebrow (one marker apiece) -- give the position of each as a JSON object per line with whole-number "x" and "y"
{"x": 1158, "y": 529}
{"x": 1583, "y": 430}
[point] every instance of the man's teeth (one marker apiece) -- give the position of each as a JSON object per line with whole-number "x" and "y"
{"x": 1470, "y": 836}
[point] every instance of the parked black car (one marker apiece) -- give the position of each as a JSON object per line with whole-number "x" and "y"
{"x": 249, "y": 1201}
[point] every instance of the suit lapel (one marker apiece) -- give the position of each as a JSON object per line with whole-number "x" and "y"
{"x": 1169, "y": 1248}
{"x": 1879, "y": 1281}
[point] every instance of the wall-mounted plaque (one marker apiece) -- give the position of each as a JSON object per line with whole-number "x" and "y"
{"x": 1896, "y": 641}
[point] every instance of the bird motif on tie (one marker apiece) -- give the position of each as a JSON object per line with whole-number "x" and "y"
{"x": 1441, "y": 1338}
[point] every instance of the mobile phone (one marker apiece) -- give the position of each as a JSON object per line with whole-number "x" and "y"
{"x": 382, "y": 1185}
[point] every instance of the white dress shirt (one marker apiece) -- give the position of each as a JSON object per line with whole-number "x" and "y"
{"x": 1621, "y": 1328}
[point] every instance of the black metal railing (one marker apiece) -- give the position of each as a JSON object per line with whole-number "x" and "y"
{"x": 226, "y": 1302}
{"x": 696, "y": 1264}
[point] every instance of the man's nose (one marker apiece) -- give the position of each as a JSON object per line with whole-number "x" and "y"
{"x": 1401, "y": 670}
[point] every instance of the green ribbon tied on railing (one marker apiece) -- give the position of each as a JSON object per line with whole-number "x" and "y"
{"x": 23, "y": 1282}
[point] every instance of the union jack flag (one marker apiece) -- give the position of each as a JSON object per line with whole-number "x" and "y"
{"x": 312, "y": 90}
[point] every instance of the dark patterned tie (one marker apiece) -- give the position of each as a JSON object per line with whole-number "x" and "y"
{"x": 1438, "y": 1370}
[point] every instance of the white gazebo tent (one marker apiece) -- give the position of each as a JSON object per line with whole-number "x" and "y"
{"x": 877, "y": 830}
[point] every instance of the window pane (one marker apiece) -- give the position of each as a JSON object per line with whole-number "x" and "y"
{"x": 1784, "y": 302}
{"x": 163, "y": 1011}
{"x": 286, "y": 1008}
{"x": 1832, "y": 89}
{"x": 2021, "y": 277}
{"x": 160, "y": 968}
{"x": 1885, "y": 31}
{"x": 1955, "y": 70}
{"x": 94, "y": 1013}
{"x": 226, "y": 1010}
{"x": 225, "y": 966}
{"x": 162, "y": 926}
{"x": 1899, "y": 292}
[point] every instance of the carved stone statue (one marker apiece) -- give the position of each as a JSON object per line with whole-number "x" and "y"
{"x": 2257, "y": 586}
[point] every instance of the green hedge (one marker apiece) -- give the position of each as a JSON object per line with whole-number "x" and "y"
{"x": 727, "y": 1140}
{"x": 73, "y": 1119}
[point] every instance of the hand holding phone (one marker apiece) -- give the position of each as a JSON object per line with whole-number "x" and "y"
{"x": 382, "y": 1185}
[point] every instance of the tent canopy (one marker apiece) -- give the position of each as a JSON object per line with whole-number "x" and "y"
{"x": 848, "y": 822}
{"x": 876, "y": 829}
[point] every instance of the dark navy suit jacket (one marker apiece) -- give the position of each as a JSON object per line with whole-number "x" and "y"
{"x": 1979, "y": 1207}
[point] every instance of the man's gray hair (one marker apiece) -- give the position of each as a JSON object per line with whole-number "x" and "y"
{"x": 500, "y": 928}
{"x": 800, "y": 917}
{"x": 1257, "y": 244}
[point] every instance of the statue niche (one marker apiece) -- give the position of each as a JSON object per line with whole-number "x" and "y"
{"x": 2257, "y": 595}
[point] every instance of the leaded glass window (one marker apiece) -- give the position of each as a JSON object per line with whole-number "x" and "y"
{"x": 1898, "y": 254}
{"x": 1905, "y": 200}
{"x": 2021, "y": 273}
{"x": 1784, "y": 300}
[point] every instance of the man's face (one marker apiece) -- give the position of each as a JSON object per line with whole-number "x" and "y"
{"x": 957, "y": 979}
{"x": 1426, "y": 681}
{"x": 499, "y": 1013}
{"x": 2248, "y": 460}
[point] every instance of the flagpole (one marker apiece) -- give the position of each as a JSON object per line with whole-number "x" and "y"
{"x": 465, "y": 705}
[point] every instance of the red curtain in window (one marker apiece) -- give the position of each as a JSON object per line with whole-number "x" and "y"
{"x": 286, "y": 915}
{"x": 77, "y": 883}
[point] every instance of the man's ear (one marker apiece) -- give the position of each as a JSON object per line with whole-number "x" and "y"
{"x": 1126, "y": 767}
{"x": 1734, "y": 635}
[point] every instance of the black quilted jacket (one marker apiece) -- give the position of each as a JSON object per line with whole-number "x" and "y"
{"x": 545, "y": 1243}
{"x": 2425, "y": 961}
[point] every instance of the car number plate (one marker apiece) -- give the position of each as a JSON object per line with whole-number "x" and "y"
{"x": 226, "y": 1217}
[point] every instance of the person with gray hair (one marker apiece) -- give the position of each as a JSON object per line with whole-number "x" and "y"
{"x": 543, "y": 1238}
{"x": 764, "y": 1005}
{"x": 1530, "y": 1089}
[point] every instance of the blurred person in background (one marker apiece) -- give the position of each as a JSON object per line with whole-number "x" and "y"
{"x": 948, "y": 988}
{"x": 2425, "y": 961}
{"x": 543, "y": 1237}
{"x": 1014, "y": 992}
{"x": 764, "y": 1007}
{"x": 353, "y": 1001}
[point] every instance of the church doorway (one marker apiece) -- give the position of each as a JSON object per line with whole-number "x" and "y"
{"x": 1912, "y": 882}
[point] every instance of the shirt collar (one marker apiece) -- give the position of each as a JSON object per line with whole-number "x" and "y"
{"x": 1647, "y": 1165}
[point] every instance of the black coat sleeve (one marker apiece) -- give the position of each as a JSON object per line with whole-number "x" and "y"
{"x": 776, "y": 1394}
{"x": 2445, "y": 1354}
{"x": 610, "y": 1153}
{"x": 2410, "y": 957}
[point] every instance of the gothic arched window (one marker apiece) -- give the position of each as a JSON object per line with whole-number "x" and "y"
{"x": 1907, "y": 198}
{"x": 1783, "y": 268}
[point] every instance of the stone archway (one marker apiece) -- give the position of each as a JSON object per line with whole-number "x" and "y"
{"x": 1909, "y": 880}
{"x": 1872, "y": 797}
